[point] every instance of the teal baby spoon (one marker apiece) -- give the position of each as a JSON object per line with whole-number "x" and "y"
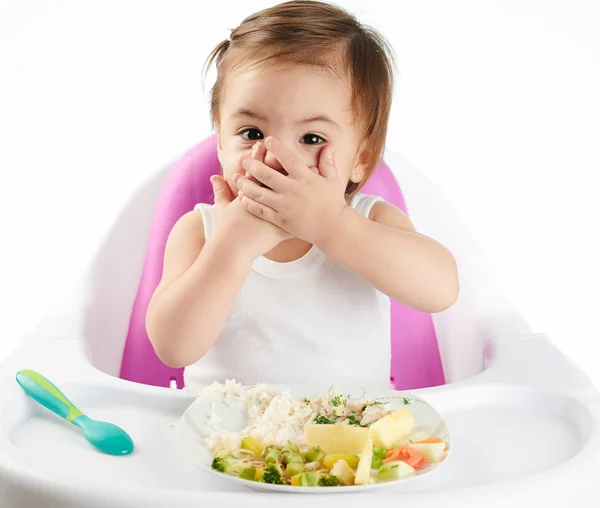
{"x": 107, "y": 437}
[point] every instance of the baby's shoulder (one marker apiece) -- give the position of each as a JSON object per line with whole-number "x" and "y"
{"x": 379, "y": 210}
{"x": 389, "y": 215}
{"x": 190, "y": 226}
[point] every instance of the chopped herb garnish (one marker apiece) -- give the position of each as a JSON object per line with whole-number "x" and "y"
{"x": 323, "y": 420}
{"x": 337, "y": 401}
{"x": 306, "y": 401}
{"x": 374, "y": 403}
{"x": 352, "y": 420}
{"x": 406, "y": 401}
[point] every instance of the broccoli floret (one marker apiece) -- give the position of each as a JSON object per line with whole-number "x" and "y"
{"x": 219, "y": 464}
{"x": 228, "y": 464}
{"x": 338, "y": 400}
{"x": 328, "y": 480}
{"x": 273, "y": 474}
{"x": 323, "y": 420}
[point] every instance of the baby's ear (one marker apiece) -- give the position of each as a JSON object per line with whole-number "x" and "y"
{"x": 360, "y": 166}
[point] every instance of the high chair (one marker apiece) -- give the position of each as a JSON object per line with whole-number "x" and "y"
{"x": 524, "y": 420}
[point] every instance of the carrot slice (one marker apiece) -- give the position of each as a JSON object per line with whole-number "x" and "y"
{"x": 432, "y": 440}
{"x": 406, "y": 454}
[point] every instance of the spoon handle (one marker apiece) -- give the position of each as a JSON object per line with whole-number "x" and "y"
{"x": 43, "y": 391}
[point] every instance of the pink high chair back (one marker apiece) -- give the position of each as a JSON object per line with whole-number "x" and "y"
{"x": 416, "y": 359}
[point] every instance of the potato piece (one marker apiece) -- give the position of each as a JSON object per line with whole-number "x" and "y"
{"x": 348, "y": 439}
{"x": 391, "y": 428}
{"x": 363, "y": 472}
{"x": 432, "y": 452}
{"x": 252, "y": 444}
{"x": 332, "y": 458}
{"x": 343, "y": 471}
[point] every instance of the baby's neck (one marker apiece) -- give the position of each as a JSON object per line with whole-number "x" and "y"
{"x": 289, "y": 250}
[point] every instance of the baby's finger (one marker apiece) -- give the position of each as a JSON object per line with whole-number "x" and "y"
{"x": 221, "y": 190}
{"x": 259, "y": 151}
{"x": 261, "y": 211}
{"x": 259, "y": 194}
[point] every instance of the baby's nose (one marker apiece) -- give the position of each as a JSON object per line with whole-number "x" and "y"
{"x": 271, "y": 161}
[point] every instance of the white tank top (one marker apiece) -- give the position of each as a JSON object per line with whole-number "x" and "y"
{"x": 305, "y": 321}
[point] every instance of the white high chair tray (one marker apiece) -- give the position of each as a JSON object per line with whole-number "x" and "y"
{"x": 524, "y": 433}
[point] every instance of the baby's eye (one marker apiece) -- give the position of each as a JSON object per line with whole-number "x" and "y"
{"x": 312, "y": 139}
{"x": 252, "y": 134}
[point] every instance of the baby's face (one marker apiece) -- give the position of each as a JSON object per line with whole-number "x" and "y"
{"x": 306, "y": 108}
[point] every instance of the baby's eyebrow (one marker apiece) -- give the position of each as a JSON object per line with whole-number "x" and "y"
{"x": 248, "y": 112}
{"x": 319, "y": 118}
{"x": 253, "y": 114}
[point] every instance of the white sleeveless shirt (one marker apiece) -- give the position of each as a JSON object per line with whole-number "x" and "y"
{"x": 305, "y": 321}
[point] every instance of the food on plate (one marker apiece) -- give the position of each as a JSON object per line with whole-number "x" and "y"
{"x": 329, "y": 441}
{"x": 395, "y": 471}
{"x": 363, "y": 472}
{"x": 348, "y": 439}
{"x": 391, "y": 428}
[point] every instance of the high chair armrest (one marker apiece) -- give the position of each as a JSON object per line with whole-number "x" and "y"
{"x": 535, "y": 361}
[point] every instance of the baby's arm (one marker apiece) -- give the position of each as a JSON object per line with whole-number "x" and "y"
{"x": 388, "y": 252}
{"x": 200, "y": 282}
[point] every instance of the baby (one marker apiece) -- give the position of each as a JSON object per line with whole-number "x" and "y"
{"x": 287, "y": 278}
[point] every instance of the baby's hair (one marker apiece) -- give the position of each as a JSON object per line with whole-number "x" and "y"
{"x": 324, "y": 35}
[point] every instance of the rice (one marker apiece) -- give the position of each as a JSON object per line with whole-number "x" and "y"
{"x": 273, "y": 418}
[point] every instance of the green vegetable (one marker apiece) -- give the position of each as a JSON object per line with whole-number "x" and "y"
{"x": 273, "y": 474}
{"x": 310, "y": 479}
{"x": 406, "y": 401}
{"x": 288, "y": 458}
{"x": 314, "y": 454}
{"x": 228, "y": 464}
{"x": 352, "y": 420}
{"x": 328, "y": 480}
{"x": 289, "y": 448}
{"x": 218, "y": 464}
{"x": 379, "y": 453}
{"x": 248, "y": 474}
{"x": 294, "y": 468}
{"x": 272, "y": 456}
{"x": 323, "y": 420}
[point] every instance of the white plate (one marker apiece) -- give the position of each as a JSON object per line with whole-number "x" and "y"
{"x": 233, "y": 413}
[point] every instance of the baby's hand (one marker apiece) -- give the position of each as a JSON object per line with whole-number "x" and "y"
{"x": 306, "y": 203}
{"x": 246, "y": 231}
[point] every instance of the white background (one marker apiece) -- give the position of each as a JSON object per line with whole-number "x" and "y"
{"x": 498, "y": 102}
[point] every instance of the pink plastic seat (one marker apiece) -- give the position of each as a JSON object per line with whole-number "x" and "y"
{"x": 416, "y": 361}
